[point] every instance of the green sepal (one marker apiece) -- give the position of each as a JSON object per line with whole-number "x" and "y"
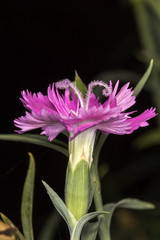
{"x": 80, "y": 85}
{"x": 27, "y": 200}
{"x": 129, "y": 203}
{"x": 77, "y": 188}
{"x": 18, "y": 234}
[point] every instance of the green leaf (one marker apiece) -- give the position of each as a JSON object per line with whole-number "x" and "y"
{"x": 133, "y": 203}
{"x": 27, "y": 200}
{"x": 143, "y": 80}
{"x": 148, "y": 139}
{"x": 90, "y": 230}
{"x": 82, "y": 221}
{"x": 61, "y": 207}
{"x": 18, "y": 234}
{"x": 130, "y": 203}
{"x": 38, "y": 140}
{"x": 80, "y": 85}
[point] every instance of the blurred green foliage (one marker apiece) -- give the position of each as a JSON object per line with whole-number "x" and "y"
{"x": 142, "y": 171}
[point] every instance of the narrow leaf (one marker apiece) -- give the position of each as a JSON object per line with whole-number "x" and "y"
{"x": 82, "y": 221}
{"x": 80, "y": 85}
{"x": 38, "y": 140}
{"x": 137, "y": 204}
{"x": 130, "y": 203}
{"x": 61, "y": 207}
{"x": 143, "y": 80}
{"x": 27, "y": 200}
{"x": 18, "y": 234}
{"x": 90, "y": 231}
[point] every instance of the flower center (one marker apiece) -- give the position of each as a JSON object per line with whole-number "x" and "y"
{"x": 66, "y": 83}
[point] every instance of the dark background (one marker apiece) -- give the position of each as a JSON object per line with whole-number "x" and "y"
{"x": 47, "y": 41}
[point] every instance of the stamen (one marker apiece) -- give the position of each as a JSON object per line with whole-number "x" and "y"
{"x": 106, "y": 91}
{"x": 66, "y": 83}
{"x": 74, "y": 113}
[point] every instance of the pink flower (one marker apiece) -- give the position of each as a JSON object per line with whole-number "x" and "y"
{"x": 70, "y": 111}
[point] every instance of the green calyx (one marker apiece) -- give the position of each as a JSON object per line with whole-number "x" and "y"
{"x": 77, "y": 188}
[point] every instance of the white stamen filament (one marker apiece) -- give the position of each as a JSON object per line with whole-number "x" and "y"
{"x": 79, "y": 94}
{"x": 106, "y": 92}
{"x": 74, "y": 113}
{"x": 66, "y": 83}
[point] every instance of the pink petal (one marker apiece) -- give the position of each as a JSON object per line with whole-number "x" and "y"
{"x": 141, "y": 120}
{"x": 52, "y": 130}
{"x": 36, "y": 102}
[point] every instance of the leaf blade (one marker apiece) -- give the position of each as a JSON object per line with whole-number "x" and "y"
{"x": 129, "y": 203}
{"x": 61, "y": 207}
{"x": 90, "y": 231}
{"x": 37, "y": 140}
{"x": 143, "y": 80}
{"x": 27, "y": 200}
{"x": 82, "y": 221}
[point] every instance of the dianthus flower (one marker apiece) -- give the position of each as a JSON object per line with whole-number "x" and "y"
{"x": 81, "y": 116}
{"x": 70, "y": 111}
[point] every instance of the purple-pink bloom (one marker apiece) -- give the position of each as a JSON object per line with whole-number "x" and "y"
{"x": 56, "y": 112}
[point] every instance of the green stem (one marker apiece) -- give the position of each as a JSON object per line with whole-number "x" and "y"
{"x": 95, "y": 180}
{"x": 97, "y": 195}
{"x": 98, "y": 202}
